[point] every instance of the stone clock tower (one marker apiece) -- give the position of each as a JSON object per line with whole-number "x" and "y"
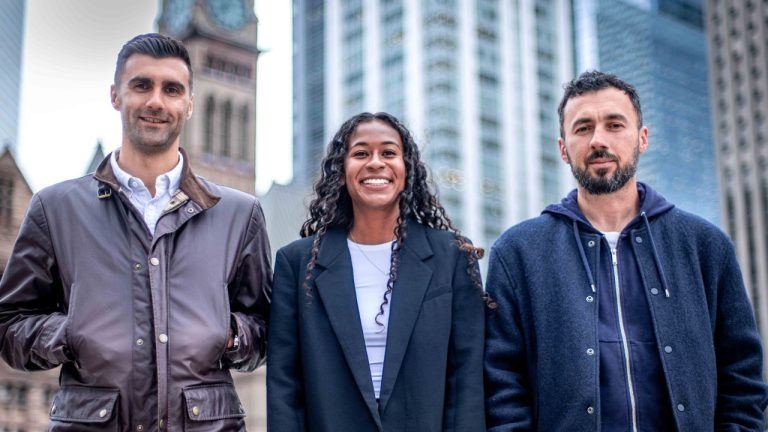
{"x": 220, "y": 35}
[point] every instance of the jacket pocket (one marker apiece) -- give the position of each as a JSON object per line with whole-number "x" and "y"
{"x": 84, "y": 409}
{"x": 213, "y": 407}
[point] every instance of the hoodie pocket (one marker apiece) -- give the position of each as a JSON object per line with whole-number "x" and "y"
{"x": 84, "y": 409}
{"x": 213, "y": 407}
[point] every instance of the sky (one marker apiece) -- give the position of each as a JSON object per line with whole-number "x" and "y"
{"x": 70, "y": 47}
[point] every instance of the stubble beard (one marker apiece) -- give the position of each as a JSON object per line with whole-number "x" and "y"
{"x": 602, "y": 184}
{"x": 148, "y": 142}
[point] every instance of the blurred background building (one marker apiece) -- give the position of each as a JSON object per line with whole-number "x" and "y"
{"x": 11, "y": 38}
{"x": 221, "y": 37}
{"x": 738, "y": 62}
{"x": 476, "y": 81}
{"x": 24, "y": 398}
{"x": 659, "y": 46}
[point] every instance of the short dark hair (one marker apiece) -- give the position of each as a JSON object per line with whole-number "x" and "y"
{"x": 156, "y": 46}
{"x": 592, "y": 81}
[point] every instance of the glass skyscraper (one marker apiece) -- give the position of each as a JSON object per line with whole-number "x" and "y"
{"x": 476, "y": 81}
{"x": 659, "y": 46}
{"x": 11, "y": 37}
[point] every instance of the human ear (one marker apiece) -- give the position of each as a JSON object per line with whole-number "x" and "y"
{"x": 114, "y": 98}
{"x": 563, "y": 151}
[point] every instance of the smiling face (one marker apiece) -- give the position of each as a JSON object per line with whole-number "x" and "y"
{"x": 602, "y": 141}
{"x": 154, "y": 100}
{"x": 374, "y": 168}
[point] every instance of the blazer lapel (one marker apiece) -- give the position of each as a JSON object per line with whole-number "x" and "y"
{"x": 336, "y": 288}
{"x": 407, "y": 294}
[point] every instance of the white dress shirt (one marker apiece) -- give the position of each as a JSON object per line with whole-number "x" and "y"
{"x": 151, "y": 208}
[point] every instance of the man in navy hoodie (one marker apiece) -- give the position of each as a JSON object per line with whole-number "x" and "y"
{"x": 618, "y": 311}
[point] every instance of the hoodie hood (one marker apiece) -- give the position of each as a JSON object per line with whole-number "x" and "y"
{"x": 651, "y": 203}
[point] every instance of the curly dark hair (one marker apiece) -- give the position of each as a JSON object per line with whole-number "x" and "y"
{"x": 332, "y": 206}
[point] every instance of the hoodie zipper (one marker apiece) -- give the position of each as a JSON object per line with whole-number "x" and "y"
{"x": 624, "y": 343}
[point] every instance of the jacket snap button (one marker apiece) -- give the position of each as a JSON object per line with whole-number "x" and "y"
{"x": 154, "y": 261}
{"x": 139, "y": 428}
{"x": 654, "y": 291}
{"x": 591, "y": 243}
{"x": 590, "y": 410}
{"x": 680, "y": 407}
{"x": 163, "y": 338}
{"x": 590, "y": 299}
{"x": 103, "y": 413}
{"x": 639, "y": 239}
{"x": 190, "y": 210}
{"x": 590, "y": 351}
{"x": 137, "y": 266}
{"x": 53, "y": 409}
{"x": 139, "y": 341}
{"x": 195, "y": 411}
{"x": 667, "y": 349}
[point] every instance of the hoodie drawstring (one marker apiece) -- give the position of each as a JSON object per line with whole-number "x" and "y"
{"x": 656, "y": 255}
{"x": 583, "y": 256}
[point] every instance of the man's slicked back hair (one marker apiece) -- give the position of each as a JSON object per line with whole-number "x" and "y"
{"x": 156, "y": 46}
{"x": 593, "y": 81}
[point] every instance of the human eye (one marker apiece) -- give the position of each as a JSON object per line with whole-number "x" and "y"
{"x": 389, "y": 153}
{"x": 359, "y": 153}
{"x": 616, "y": 125}
{"x": 173, "y": 90}
{"x": 141, "y": 85}
{"x": 582, "y": 129}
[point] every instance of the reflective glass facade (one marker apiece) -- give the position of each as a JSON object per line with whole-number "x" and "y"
{"x": 660, "y": 48}
{"x": 463, "y": 76}
{"x": 11, "y": 38}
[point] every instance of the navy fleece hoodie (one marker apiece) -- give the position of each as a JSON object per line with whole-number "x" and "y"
{"x": 624, "y": 313}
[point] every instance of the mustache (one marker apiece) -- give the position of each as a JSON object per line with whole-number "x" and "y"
{"x": 602, "y": 154}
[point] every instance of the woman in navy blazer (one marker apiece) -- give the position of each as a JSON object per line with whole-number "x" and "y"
{"x": 373, "y": 190}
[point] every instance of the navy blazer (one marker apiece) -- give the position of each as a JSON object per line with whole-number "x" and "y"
{"x": 318, "y": 377}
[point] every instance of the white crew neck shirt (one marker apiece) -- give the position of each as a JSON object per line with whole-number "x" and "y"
{"x": 613, "y": 238}
{"x": 370, "y": 267}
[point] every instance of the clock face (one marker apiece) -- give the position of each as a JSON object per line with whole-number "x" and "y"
{"x": 177, "y": 15}
{"x": 229, "y": 14}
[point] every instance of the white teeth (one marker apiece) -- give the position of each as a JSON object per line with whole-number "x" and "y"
{"x": 152, "y": 120}
{"x": 376, "y": 181}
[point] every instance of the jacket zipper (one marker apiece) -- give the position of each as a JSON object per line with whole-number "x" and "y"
{"x": 624, "y": 343}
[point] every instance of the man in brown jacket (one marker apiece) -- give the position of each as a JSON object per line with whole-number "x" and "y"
{"x": 143, "y": 281}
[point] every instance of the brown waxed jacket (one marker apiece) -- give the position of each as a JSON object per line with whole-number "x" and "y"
{"x": 138, "y": 322}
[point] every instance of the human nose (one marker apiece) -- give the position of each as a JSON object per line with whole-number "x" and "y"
{"x": 155, "y": 100}
{"x": 375, "y": 161}
{"x": 598, "y": 139}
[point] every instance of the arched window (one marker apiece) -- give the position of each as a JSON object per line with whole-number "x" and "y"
{"x": 210, "y": 112}
{"x": 226, "y": 130}
{"x": 245, "y": 142}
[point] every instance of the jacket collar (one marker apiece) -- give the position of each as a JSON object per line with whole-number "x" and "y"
{"x": 190, "y": 184}
{"x": 336, "y": 288}
{"x": 652, "y": 204}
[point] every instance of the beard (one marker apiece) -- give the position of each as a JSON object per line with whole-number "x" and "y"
{"x": 602, "y": 183}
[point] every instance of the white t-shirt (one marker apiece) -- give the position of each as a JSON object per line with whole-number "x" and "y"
{"x": 370, "y": 266}
{"x": 613, "y": 238}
